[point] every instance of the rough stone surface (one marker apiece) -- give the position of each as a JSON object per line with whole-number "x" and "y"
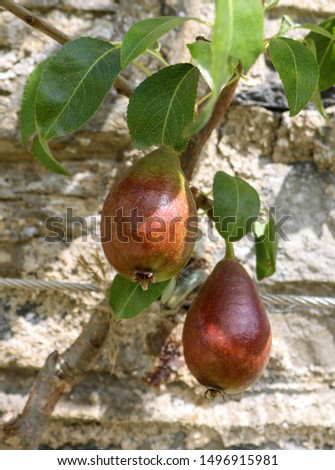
{"x": 310, "y": 6}
{"x": 290, "y": 161}
{"x": 306, "y": 137}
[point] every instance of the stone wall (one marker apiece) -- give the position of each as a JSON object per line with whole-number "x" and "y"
{"x": 289, "y": 160}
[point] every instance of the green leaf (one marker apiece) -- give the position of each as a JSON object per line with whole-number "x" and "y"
{"x": 207, "y": 110}
{"x": 74, "y": 84}
{"x": 238, "y": 36}
{"x": 316, "y": 99}
{"x": 184, "y": 286}
{"x": 41, "y": 151}
{"x": 266, "y": 248}
{"x": 128, "y": 299}
{"x": 162, "y": 106}
{"x": 236, "y": 206}
{"x": 27, "y": 112}
{"x": 201, "y": 53}
{"x": 325, "y": 51}
{"x": 144, "y": 33}
{"x": 319, "y": 29}
{"x": 155, "y": 46}
{"x": 168, "y": 291}
{"x": 269, "y": 4}
{"x": 202, "y": 118}
{"x": 285, "y": 26}
{"x": 298, "y": 70}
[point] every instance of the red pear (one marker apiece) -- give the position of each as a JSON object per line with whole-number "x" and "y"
{"x": 148, "y": 220}
{"x": 227, "y": 334}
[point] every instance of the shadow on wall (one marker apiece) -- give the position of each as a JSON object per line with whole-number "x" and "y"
{"x": 307, "y": 196}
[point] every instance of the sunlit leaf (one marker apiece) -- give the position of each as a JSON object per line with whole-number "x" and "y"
{"x": 162, "y": 106}
{"x": 298, "y": 70}
{"x": 74, "y": 84}
{"x": 128, "y": 299}
{"x": 236, "y": 206}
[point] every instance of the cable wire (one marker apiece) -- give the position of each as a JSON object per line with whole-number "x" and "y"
{"x": 270, "y": 299}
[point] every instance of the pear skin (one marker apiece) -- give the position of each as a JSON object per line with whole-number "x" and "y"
{"x": 149, "y": 219}
{"x": 227, "y": 333}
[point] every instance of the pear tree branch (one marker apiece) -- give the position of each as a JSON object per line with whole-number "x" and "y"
{"x": 121, "y": 84}
{"x": 190, "y": 157}
{"x": 60, "y": 373}
{"x": 34, "y": 21}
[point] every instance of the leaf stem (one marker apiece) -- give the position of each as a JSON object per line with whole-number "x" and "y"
{"x": 204, "y": 98}
{"x": 158, "y": 56}
{"x": 121, "y": 84}
{"x": 229, "y": 250}
{"x": 143, "y": 68}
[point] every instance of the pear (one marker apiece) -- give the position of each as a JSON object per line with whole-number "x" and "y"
{"x": 227, "y": 334}
{"x": 149, "y": 220}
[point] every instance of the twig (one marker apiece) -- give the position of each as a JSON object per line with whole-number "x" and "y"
{"x": 58, "y": 376}
{"x": 189, "y": 158}
{"x": 34, "y": 21}
{"x": 168, "y": 360}
{"x": 121, "y": 84}
{"x": 203, "y": 202}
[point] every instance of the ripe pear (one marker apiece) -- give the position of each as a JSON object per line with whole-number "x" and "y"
{"x": 149, "y": 220}
{"x": 227, "y": 334}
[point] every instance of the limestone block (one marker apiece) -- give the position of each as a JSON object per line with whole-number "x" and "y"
{"x": 290, "y": 161}
{"x": 306, "y": 137}
{"x": 310, "y": 6}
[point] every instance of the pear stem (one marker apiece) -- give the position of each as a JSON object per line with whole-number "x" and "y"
{"x": 229, "y": 250}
